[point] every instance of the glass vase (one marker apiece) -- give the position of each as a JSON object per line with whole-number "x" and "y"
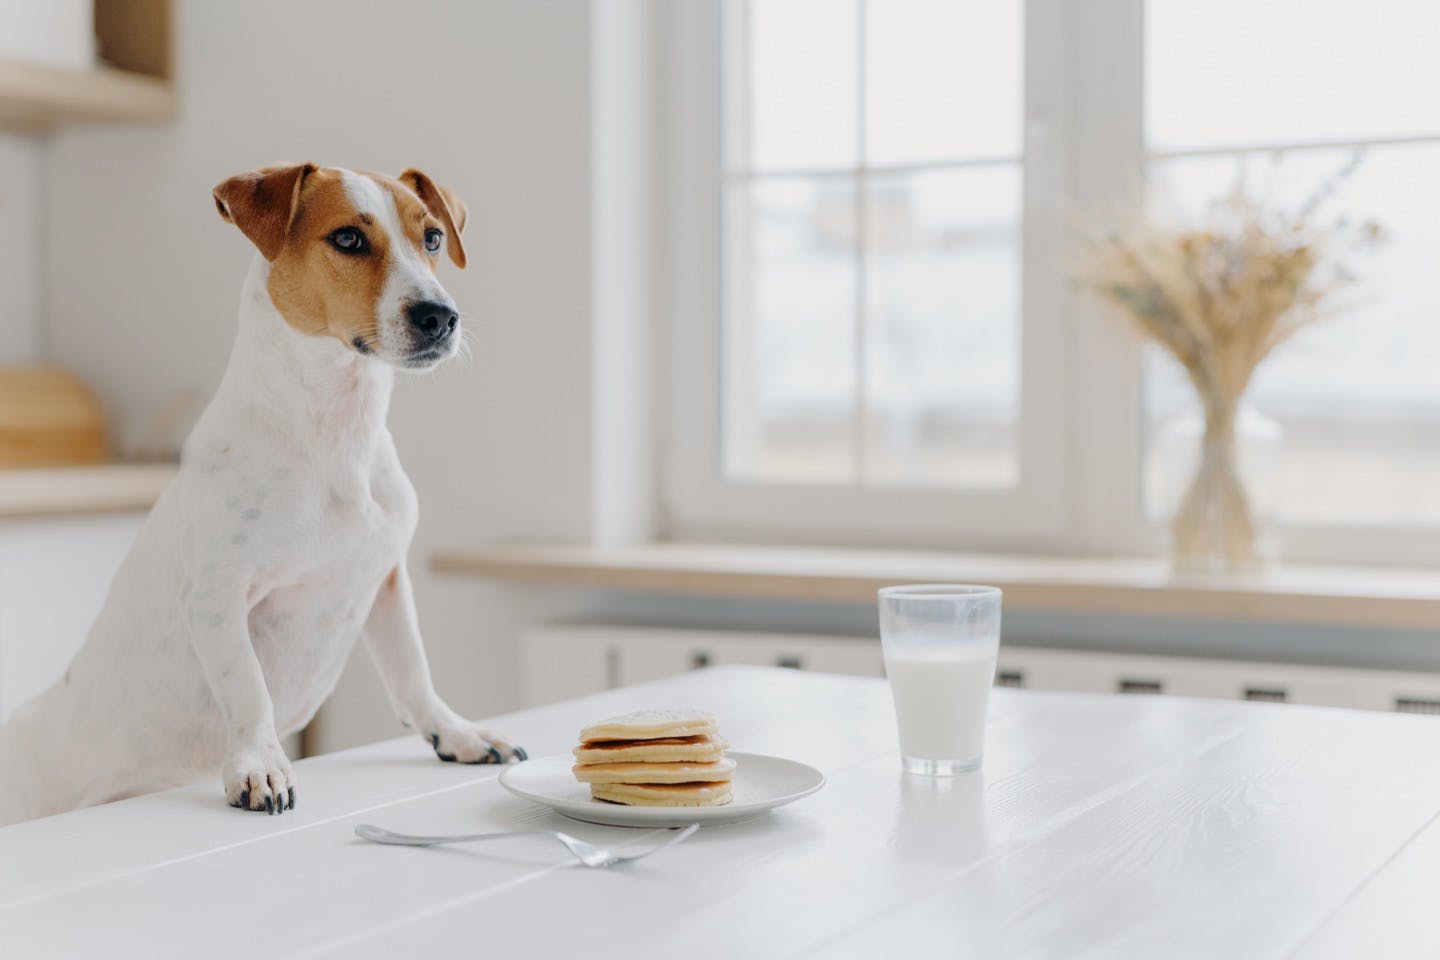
{"x": 1213, "y": 474}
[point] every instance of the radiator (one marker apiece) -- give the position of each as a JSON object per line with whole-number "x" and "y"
{"x": 563, "y": 660}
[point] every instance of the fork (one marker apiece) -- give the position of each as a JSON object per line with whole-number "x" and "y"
{"x": 587, "y": 853}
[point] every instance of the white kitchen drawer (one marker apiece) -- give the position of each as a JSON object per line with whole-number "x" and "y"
{"x": 560, "y": 661}
{"x": 54, "y": 575}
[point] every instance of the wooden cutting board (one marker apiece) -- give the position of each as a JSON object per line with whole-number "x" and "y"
{"x": 48, "y": 417}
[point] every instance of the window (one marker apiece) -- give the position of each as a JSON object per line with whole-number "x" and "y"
{"x": 874, "y": 340}
{"x": 872, "y": 259}
{"x": 858, "y": 214}
{"x": 1291, "y": 94}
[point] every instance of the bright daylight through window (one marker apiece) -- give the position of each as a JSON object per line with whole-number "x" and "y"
{"x": 1348, "y": 416}
{"x": 872, "y": 261}
{"x": 872, "y": 257}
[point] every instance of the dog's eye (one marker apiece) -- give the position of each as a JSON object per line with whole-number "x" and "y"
{"x": 432, "y": 240}
{"x": 348, "y": 240}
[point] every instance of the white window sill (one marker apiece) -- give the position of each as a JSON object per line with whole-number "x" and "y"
{"x": 1374, "y": 597}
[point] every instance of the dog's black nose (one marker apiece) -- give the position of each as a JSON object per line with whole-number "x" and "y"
{"x": 433, "y": 320}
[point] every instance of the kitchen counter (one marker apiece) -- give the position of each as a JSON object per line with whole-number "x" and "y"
{"x": 62, "y": 491}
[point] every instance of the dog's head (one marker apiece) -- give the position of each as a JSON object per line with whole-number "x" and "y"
{"x": 353, "y": 255}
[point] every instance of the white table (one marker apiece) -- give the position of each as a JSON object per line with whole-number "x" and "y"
{"x": 1101, "y": 826}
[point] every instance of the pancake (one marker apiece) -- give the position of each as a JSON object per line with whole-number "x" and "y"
{"x": 663, "y": 794}
{"x": 651, "y": 725}
{"x": 645, "y": 773}
{"x": 698, "y": 749}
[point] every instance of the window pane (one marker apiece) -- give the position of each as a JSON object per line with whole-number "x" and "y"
{"x": 793, "y": 72}
{"x": 1357, "y": 396}
{"x": 943, "y": 79}
{"x": 942, "y": 362}
{"x": 790, "y": 330}
{"x": 1235, "y": 72}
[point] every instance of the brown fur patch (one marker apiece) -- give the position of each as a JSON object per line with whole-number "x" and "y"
{"x": 318, "y": 289}
{"x": 445, "y": 205}
{"x": 262, "y": 203}
{"x": 415, "y": 217}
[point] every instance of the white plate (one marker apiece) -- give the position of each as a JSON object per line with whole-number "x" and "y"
{"x": 759, "y": 783}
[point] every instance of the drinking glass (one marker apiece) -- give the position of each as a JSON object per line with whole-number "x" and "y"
{"x": 940, "y": 642}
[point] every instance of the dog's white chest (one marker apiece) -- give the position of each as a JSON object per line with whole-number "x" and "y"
{"x": 341, "y": 537}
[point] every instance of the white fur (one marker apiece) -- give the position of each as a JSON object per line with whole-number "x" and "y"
{"x": 230, "y": 620}
{"x": 409, "y": 279}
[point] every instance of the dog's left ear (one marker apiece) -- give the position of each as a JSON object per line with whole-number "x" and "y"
{"x": 445, "y": 206}
{"x": 262, "y": 203}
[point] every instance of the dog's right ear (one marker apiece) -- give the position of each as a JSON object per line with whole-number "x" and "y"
{"x": 262, "y": 203}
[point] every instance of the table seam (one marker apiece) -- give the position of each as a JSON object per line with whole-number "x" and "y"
{"x": 1098, "y": 800}
{"x": 120, "y": 875}
{"x": 434, "y": 909}
{"x": 457, "y": 902}
{"x": 1352, "y": 895}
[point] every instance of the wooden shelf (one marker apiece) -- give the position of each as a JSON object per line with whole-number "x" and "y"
{"x": 36, "y": 97}
{"x": 61, "y": 491}
{"x": 134, "y": 82}
{"x": 1367, "y": 597}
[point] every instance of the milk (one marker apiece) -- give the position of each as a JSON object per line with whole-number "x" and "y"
{"x": 940, "y": 701}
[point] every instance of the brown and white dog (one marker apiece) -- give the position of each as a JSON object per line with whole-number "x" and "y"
{"x": 283, "y": 537}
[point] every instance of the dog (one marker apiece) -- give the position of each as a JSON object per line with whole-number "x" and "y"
{"x": 283, "y": 536}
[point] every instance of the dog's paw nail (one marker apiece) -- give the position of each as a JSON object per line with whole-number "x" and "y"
{"x": 269, "y": 804}
{"x": 435, "y": 741}
{"x": 447, "y": 757}
{"x": 290, "y": 798}
{"x": 495, "y": 756}
{"x": 244, "y": 799}
{"x": 520, "y": 754}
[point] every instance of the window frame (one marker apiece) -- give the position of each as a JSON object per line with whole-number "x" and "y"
{"x": 700, "y": 501}
{"x": 1080, "y": 431}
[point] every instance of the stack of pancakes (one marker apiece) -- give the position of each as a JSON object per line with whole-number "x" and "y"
{"x": 655, "y": 758}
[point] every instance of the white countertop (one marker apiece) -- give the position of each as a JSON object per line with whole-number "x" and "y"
{"x": 1121, "y": 826}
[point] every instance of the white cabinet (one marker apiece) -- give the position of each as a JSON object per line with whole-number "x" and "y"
{"x": 54, "y": 574}
{"x": 560, "y": 661}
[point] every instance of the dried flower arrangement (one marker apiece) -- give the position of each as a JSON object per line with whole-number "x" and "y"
{"x": 1220, "y": 297}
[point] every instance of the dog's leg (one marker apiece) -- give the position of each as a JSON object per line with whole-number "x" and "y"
{"x": 392, "y": 635}
{"x": 256, "y": 773}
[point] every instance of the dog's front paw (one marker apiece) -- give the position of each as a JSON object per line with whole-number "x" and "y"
{"x": 463, "y": 742}
{"x": 260, "y": 779}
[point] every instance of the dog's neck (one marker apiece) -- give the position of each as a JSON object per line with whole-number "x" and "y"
{"x": 314, "y": 388}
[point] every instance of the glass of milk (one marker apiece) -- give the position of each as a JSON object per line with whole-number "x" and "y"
{"x": 940, "y": 643}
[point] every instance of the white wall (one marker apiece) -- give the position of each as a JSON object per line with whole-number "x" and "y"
{"x": 625, "y": 91}
{"x": 20, "y": 241}
{"x": 492, "y": 98}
